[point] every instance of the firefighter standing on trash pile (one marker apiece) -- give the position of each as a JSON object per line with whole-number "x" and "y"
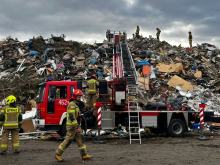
{"x": 10, "y": 119}
{"x": 92, "y": 85}
{"x": 190, "y": 39}
{"x": 137, "y": 31}
{"x": 73, "y": 129}
{"x": 158, "y": 34}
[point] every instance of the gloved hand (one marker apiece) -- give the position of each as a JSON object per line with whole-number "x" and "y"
{"x": 71, "y": 117}
{"x": 19, "y": 125}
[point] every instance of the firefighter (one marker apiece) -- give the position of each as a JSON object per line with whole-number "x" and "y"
{"x": 158, "y": 34}
{"x": 11, "y": 119}
{"x": 92, "y": 84}
{"x": 137, "y": 31}
{"x": 73, "y": 129}
{"x": 108, "y": 32}
{"x": 190, "y": 39}
{"x": 31, "y": 102}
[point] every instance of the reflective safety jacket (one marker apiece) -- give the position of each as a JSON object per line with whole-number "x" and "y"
{"x": 12, "y": 117}
{"x": 91, "y": 86}
{"x": 72, "y": 114}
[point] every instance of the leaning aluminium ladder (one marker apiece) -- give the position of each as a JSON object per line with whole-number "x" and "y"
{"x": 130, "y": 74}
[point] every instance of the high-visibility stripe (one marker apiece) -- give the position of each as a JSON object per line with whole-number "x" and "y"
{"x": 71, "y": 111}
{"x": 83, "y": 147}
{"x": 4, "y": 146}
{"x": 12, "y": 110}
{"x": 74, "y": 123}
{"x": 11, "y": 124}
{"x": 16, "y": 145}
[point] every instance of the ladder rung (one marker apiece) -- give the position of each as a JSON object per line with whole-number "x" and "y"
{"x": 132, "y": 92}
{"x": 133, "y": 133}
{"x": 136, "y": 139}
{"x": 132, "y": 107}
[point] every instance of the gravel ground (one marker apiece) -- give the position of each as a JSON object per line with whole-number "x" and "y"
{"x": 153, "y": 151}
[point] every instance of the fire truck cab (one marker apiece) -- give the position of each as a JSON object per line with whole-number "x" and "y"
{"x": 52, "y": 101}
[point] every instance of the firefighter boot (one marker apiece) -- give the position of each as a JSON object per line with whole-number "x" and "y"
{"x": 59, "y": 158}
{"x": 84, "y": 153}
{"x": 3, "y": 153}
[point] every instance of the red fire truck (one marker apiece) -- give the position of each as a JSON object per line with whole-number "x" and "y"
{"x": 52, "y": 101}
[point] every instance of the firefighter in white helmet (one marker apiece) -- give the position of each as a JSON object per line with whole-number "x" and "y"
{"x": 73, "y": 129}
{"x": 10, "y": 119}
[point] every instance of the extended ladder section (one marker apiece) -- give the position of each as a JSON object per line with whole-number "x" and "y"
{"x": 130, "y": 74}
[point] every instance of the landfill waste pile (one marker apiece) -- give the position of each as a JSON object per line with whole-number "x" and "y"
{"x": 176, "y": 74}
{"x": 167, "y": 75}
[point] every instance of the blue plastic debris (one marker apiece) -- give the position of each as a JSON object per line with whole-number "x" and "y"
{"x": 92, "y": 61}
{"x": 142, "y": 62}
{"x": 196, "y": 126}
{"x": 145, "y": 52}
{"x": 34, "y": 53}
{"x": 99, "y": 74}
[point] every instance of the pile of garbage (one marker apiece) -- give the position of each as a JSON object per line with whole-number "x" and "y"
{"x": 166, "y": 73}
{"x": 23, "y": 65}
{"x": 177, "y": 74}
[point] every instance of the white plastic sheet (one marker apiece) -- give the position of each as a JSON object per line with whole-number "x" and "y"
{"x": 30, "y": 114}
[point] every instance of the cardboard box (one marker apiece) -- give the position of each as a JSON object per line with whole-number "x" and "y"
{"x": 28, "y": 126}
{"x": 178, "y": 81}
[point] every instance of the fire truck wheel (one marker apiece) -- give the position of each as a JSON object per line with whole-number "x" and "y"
{"x": 176, "y": 128}
{"x": 62, "y": 130}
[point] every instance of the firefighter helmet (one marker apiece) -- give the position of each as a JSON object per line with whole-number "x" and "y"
{"x": 10, "y": 99}
{"x": 76, "y": 92}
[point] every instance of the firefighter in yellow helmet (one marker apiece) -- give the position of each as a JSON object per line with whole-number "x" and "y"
{"x": 92, "y": 85}
{"x": 73, "y": 129}
{"x": 11, "y": 119}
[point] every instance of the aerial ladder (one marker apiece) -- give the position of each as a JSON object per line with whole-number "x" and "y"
{"x": 123, "y": 67}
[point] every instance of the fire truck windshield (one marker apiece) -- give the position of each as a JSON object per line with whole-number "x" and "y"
{"x": 40, "y": 94}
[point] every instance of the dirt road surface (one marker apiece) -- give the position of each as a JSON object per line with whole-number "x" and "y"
{"x": 153, "y": 151}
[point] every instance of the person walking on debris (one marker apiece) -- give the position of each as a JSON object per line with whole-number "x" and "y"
{"x": 190, "y": 39}
{"x": 158, "y": 34}
{"x": 92, "y": 85}
{"x": 73, "y": 129}
{"x": 137, "y": 32}
{"x": 31, "y": 102}
{"x": 10, "y": 119}
{"x": 108, "y": 35}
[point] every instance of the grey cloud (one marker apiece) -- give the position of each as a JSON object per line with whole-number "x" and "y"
{"x": 91, "y": 18}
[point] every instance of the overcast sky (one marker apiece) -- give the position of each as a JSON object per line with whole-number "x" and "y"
{"x": 88, "y": 20}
